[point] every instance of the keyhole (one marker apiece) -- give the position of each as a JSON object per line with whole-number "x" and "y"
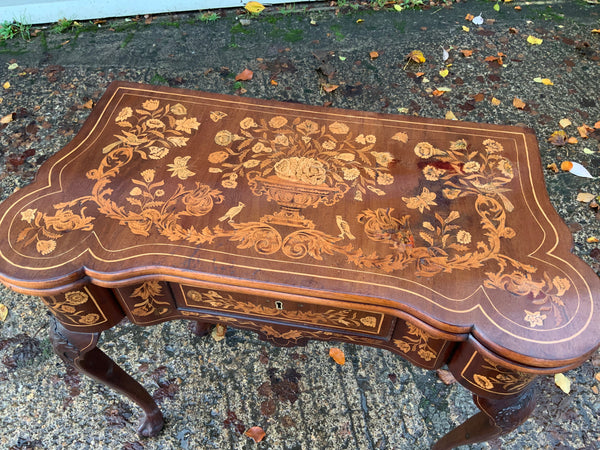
{"x": 279, "y": 305}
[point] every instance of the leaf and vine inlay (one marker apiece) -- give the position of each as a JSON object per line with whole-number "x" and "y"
{"x": 416, "y": 340}
{"x": 73, "y": 307}
{"x": 336, "y": 317}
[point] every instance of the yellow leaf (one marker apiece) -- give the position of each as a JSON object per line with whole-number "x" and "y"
{"x": 450, "y": 116}
{"x": 533, "y": 40}
{"x": 585, "y": 197}
{"x": 564, "y": 123}
{"x": 337, "y": 355}
{"x": 7, "y": 118}
{"x": 254, "y": 7}
{"x": 547, "y": 82}
{"x": 466, "y": 29}
{"x": 360, "y": 20}
{"x": 6, "y": 85}
{"x": 444, "y": 73}
{"x": 596, "y": 30}
{"x": 3, "y": 312}
{"x": 495, "y": 101}
{"x": 562, "y": 382}
{"x": 592, "y": 240}
{"x": 416, "y": 56}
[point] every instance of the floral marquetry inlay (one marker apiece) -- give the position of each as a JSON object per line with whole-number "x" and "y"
{"x": 456, "y": 217}
{"x": 76, "y": 308}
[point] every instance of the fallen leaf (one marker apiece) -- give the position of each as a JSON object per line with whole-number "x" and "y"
{"x": 438, "y": 92}
{"x": 274, "y": 83}
{"x": 6, "y": 85}
{"x": 553, "y": 167}
{"x": 469, "y": 17}
{"x": 575, "y": 168}
{"x": 466, "y": 53}
{"x": 518, "y": 103}
{"x": 597, "y": 376}
{"x": 3, "y": 312}
{"x": 564, "y": 123}
{"x": 562, "y": 382}
{"x": 597, "y": 124}
{"x": 466, "y": 29}
{"x": 596, "y": 30}
{"x": 254, "y": 7}
{"x": 7, "y": 118}
{"x": 518, "y": 8}
{"x": 446, "y": 376}
{"x": 450, "y": 116}
{"x": 444, "y": 73}
{"x": 513, "y": 30}
{"x": 558, "y": 138}
{"x": 479, "y": 97}
{"x": 572, "y": 140}
{"x": 497, "y": 7}
{"x": 89, "y": 104}
{"x": 584, "y": 131}
{"x": 547, "y": 82}
{"x": 329, "y": 87}
{"x": 585, "y": 197}
{"x": 588, "y": 151}
{"x": 244, "y": 75}
{"x": 445, "y": 54}
{"x": 533, "y": 40}
{"x": 400, "y": 137}
{"x": 337, "y": 355}
{"x": 374, "y": 55}
{"x": 495, "y": 101}
{"x": 419, "y": 74}
{"x": 218, "y": 332}
{"x": 360, "y": 20}
{"x": 444, "y": 89}
{"x": 13, "y": 66}
{"x": 256, "y": 433}
{"x": 592, "y": 240}
{"x": 416, "y": 56}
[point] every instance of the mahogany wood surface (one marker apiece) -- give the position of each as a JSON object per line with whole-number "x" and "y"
{"x": 433, "y": 239}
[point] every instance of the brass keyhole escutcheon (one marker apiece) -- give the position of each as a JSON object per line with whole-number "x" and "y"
{"x": 278, "y": 305}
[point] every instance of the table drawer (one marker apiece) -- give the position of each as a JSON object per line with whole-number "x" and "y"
{"x": 285, "y": 310}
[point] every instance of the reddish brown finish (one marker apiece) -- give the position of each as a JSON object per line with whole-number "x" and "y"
{"x": 433, "y": 239}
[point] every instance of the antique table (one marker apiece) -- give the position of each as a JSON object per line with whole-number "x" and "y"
{"x": 432, "y": 239}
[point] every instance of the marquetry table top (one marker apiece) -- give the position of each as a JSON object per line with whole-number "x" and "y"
{"x": 447, "y": 221}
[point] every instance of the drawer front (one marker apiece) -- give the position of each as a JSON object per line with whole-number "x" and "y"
{"x": 284, "y": 310}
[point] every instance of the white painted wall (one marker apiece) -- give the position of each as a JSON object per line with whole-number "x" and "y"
{"x": 47, "y": 11}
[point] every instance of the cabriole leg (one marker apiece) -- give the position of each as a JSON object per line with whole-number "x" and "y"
{"x": 80, "y": 351}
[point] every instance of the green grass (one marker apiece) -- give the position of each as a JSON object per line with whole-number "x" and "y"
{"x": 127, "y": 40}
{"x": 64, "y": 25}
{"x": 11, "y": 30}
{"x": 208, "y": 17}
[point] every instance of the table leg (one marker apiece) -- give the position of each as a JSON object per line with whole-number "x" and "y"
{"x": 80, "y": 351}
{"x": 200, "y": 328}
{"x": 497, "y": 417}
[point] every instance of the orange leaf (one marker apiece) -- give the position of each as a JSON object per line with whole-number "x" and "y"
{"x": 437, "y": 92}
{"x": 518, "y": 103}
{"x": 244, "y": 75}
{"x": 416, "y": 56}
{"x": 274, "y": 83}
{"x": 469, "y": 17}
{"x": 596, "y": 30}
{"x": 256, "y": 433}
{"x": 419, "y": 74}
{"x": 337, "y": 355}
{"x": 597, "y": 124}
{"x": 552, "y": 167}
{"x": 466, "y": 53}
{"x": 329, "y": 87}
{"x": 584, "y": 130}
{"x": 572, "y": 140}
{"x": 374, "y": 55}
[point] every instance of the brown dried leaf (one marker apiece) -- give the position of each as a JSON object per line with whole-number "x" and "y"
{"x": 256, "y": 433}
{"x": 585, "y": 197}
{"x": 7, "y": 118}
{"x": 337, "y": 355}
{"x": 244, "y": 75}
{"x": 558, "y": 138}
{"x": 218, "y": 333}
{"x": 553, "y": 167}
{"x": 446, "y": 376}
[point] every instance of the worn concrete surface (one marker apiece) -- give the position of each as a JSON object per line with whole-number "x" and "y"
{"x": 210, "y": 392}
